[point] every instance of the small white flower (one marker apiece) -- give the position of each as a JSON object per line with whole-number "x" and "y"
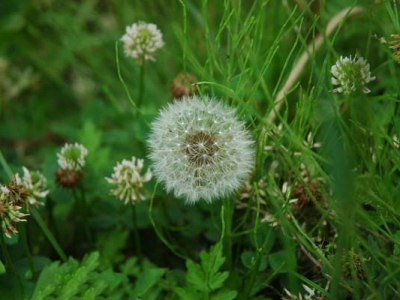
{"x": 128, "y": 181}
{"x": 72, "y": 157}
{"x": 199, "y": 149}
{"x": 35, "y": 185}
{"x": 10, "y": 210}
{"x": 4, "y": 191}
{"x": 141, "y": 40}
{"x": 350, "y": 75}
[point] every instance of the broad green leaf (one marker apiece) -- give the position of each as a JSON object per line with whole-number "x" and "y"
{"x": 224, "y": 295}
{"x": 196, "y": 277}
{"x": 396, "y": 237}
{"x": 89, "y": 136}
{"x": 280, "y": 261}
{"x": 147, "y": 279}
{"x": 249, "y": 260}
{"x": 130, "y": 267}
{"x": 187, "y": 293}
{"x": 216, "y": 281}
{"x": 2, "y": 268}
{"x": 212, "y": 261}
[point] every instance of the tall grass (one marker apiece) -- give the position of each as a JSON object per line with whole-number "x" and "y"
{"x": 321, "y": 207}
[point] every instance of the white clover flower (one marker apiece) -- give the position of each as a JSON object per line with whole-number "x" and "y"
{"x": 141, "y": 40}
{"x": 310, "y": 294}
{"x": 9, "y": 212}
{"x": 128, "y": 181}
{"x": 72, "y": 157}
{"x": 35, "y": 184}
{"x": 351, "y": 74}
{"x": 199, "y": 149}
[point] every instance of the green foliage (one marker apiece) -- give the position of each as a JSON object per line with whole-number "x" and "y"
{"x": 320, "y": 209}
{"x": 80, "y": 280}
{"x": 206, "y": 279}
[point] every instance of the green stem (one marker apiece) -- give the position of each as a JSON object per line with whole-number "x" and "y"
{"x": 158, "y": 231}
{"x": 227, "y": 213}
{"x": 141, "y": 86}
{"x": 80, "y": 207}
{"x": 136, "y": 234}
{"x": 6, "y": 167}
{"x": 121, "y": 79}
{"x": 85, "y": 216}
{"x": 10, "y": 265}
{"x": 47, "y": 233}
{"x": 6, "y": 254}
{"x": 25, "y": 243}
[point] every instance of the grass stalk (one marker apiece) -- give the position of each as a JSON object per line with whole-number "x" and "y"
{"x": 136, "y": 234}
{"x": 301, "y": 63}
{"x": 141, "y": 86}
{"x": 24, "y": 238}
{"x": 48, "y": 233}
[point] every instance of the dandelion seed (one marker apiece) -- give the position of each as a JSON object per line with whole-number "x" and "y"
{"x": 128, "y": 181}
{"x": 351, "y": 75}
{"x": 141, "y": 40}
{"x": 35, "y": 184}
{"x": 200, "y": 150}
{"x": 72, "y": 157}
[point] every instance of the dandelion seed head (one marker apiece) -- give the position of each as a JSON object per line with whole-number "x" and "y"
{"x": 209, "y": 157}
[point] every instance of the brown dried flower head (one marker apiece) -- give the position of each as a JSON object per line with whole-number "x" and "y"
{"x": 12, "y": 198}
{"x": 184, "y": 84}
{"x": 395, "y": 45}
{"x": 68, "y": 178}
{"x": 306, "y": 194}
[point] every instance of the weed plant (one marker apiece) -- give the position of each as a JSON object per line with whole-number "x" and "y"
{"x": 315, "y": 90}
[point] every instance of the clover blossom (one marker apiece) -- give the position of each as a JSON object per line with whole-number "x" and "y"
{"x": 128, "y": 181}
{"x": 199, "y": 149}
{"x": 12, "y": 198}
{"x": 35, "y": 185}
{"x": 141, "y": 40}
{"x": 72, "y": 157}
{"x": 350, "y": 75}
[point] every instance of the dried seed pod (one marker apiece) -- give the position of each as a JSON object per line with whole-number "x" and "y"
{"x": 184, "y": 84}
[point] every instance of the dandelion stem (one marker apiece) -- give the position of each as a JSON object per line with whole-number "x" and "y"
{"x": 47, "y": 233}
{"x": 136, "y": 234}
{"x": 158, "y": 231}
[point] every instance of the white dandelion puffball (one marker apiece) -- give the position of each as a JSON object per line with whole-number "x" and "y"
{"x": 350, "y": 75}
{"x": 199, "y": 149}
{"x": 141, "y": 40}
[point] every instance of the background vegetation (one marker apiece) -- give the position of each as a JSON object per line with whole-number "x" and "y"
{"x": 337, "y": 155}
